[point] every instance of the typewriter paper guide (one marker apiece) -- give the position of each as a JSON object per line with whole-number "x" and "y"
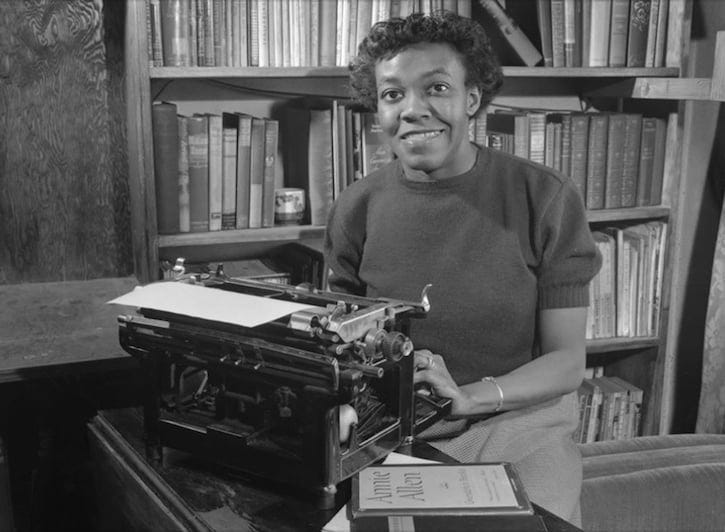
{"x": 208, "y": 303}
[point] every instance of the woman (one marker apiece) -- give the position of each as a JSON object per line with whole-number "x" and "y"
{"x": 503, "y": 241}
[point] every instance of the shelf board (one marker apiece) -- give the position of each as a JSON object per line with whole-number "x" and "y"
{"x": 607, "y": 345}
{"x": 632, "y": 213}
{"x": 339, "y": 71}
{"x": 241, "y": 236}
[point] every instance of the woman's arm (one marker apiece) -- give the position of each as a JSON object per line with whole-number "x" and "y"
{"x": 558, "y": 371}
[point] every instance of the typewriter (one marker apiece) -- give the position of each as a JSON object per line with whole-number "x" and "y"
{"x": 306, "y": 399}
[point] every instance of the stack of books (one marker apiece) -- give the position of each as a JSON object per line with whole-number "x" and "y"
{"x": 610, "y": 408}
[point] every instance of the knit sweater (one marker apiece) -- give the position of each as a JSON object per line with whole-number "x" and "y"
{"x": 498, "y": 243}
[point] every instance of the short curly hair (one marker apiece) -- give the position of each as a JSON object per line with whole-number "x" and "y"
{"x": 387, "y": 38}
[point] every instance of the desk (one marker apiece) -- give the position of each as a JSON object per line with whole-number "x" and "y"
{"x": 55, "y": 339}
{"x": 184, "y": 493}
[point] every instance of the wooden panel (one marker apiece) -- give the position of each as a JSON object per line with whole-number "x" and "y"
{"x": 63, "y": 207}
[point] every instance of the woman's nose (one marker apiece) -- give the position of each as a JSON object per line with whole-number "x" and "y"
{"x": 415, "y": 106}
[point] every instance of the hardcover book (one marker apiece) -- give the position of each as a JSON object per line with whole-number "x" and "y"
{"x": 165, "y": 134}
{"x": 439, "y": 489}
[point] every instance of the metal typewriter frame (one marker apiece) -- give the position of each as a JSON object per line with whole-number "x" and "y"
{"x": 282, "y": 352}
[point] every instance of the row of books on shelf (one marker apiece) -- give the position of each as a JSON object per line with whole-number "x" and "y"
{"x": 616, "y": 159}
{"x": 610, "y": 408}
{"x": 604, "y": 33}
{"x": 220, "y": 171}
{"x": 625, "y": 295}
{"x": 270, "y": 33}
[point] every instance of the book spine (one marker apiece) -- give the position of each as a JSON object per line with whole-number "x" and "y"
{"x": 632, "y": 139}
{"x": 614, "y": 172}
{"x": 660, "y": 45}
{"x": 198, "y": 173}
{"x": 314, "y": 32}
{"x": 558, "y": 33}
{"x": 229, "y": 171}
{"x": 579, "y": 148}
{"x": 566, "y": 144}
{"x": 175, "y": 32}
{"x": 165, "y": 135}
{"x": 618, "y": 33}
{"x": 599, "y": 30}
{"x": 639, "y": 17}
{"x": 184, "y": 214}
{"x": 207, "y": 23}
{"x": 193, "y": 34}
{"x": 253, "y": 30}
{"x": 537, "y": 137}
{"x": 376, "y": 152}
{"x": 263, "y": 33}
{"x": 229, "y": 44}
{"x": 658, "y": 161}
{"x": 649, "y": 55}
{"x": 596, "y": 161}
{"x": 646, "y": 158}
{"x": 216, "y": 165}
{"x": 244, "y": 148}
{"x": 524, "y": 48}
{"x": 543, "y": 16}
{"x": 572, "y": 27}
{"x": 256, "y": 173}
{"x": 320, "y": 165}
{"x": 153, "y": 28}
{"x": 328, "y": 32}
{"x": 218, "y": 33}
{"x": 271, "y": 140}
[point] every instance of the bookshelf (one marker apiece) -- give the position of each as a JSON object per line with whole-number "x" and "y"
{"x": 647, "y": 361}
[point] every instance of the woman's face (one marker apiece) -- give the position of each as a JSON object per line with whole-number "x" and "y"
{"x": 424, "y": 107}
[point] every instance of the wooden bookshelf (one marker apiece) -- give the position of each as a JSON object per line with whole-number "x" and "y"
{"x": 649, "y": 361}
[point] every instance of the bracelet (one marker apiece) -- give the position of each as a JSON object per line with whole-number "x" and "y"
{"x": 499, "y": 406}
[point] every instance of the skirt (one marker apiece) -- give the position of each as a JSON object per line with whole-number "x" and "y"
{"x": 537, "y": 439}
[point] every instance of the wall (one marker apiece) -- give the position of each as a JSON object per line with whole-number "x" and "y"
{"x": 63, "y": 179}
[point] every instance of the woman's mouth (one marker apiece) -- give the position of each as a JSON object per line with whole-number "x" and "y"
{"x": 420, "y": 136}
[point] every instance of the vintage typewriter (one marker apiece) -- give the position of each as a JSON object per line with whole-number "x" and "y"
{"x": 307, "y": 399}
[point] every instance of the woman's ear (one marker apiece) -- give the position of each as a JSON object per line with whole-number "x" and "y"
{"x": 473, "y": 100}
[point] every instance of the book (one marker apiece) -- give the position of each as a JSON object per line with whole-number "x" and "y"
{"x": 618, "y": 31}
{"x": 198, "y": 126}
{"x": 572, "y": 33}
{"x": 271, "y": 141}
{"x": 558, "y": 32}
{"x": 153, "y": 16}
{"x": 658, "y": 162}
{"x": 184, "y": 214}
{"x": 596, "y": 160}
{"x": 205, "y": 27}
{"x": 614, "y": 172}
{"x": 165, "y": 135}
{"x": 216, "y": 10}
{"x": 537, "y": 136}
{"x": 630, "y": 165}
{"x": 256, "y": 172}
{"x": 175, "y": 32}
{"x": 328, "y": 32}
{"x": 646, "y": 161}
{"x": 543, "y": 14}
{"x": 639, "y": 27}
{"x": 244, "y": 154}
{"x": 376, "y": 151}
{"x": 229, "y": 170}
{"x": 661, "y": 40}
{"x": 518, "y": 42}
{"x": 473, "y": 489}
{"x": 579, "y": 148}
{"x": 599, "y": 32}
{"x": 320, "y": 165}
{"x": 193, "y": 33}
{"x": 216, "y": 177}
{"x": 635, "y": 396}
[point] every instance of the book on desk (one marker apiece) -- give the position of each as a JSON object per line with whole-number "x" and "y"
{"x": 440, "y": 497}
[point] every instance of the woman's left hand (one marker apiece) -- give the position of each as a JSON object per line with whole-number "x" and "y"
{"x": 431, "y": 369}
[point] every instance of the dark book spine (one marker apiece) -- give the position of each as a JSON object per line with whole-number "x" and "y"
{"x": 271, "y": 140}
{"x": 638, "y": 31}
{"x": 596, "y": 161}
{"x": 198, "y": 173}
{"x": 632, "y": 139}
{"x": 658, "y": 162}
{"x": 579, "y": 149}
{"x": 543, "y": 14}
{"x": 165, "y": 133}
{"x": 618, "y": 29}
{"x": 646, "y": 158}
{"x": 615, "y": 161}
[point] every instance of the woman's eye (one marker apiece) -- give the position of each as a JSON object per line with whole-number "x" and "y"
{"x": 390, "y": 95}
{"x": 438, "y": 88}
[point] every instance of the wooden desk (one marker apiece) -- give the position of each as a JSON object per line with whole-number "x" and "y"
{"x": 54, "y": 339}
{"x": 50, "y": 329}
{"x": 184, "y": 493}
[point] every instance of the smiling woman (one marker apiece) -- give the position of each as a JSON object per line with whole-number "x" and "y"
{"x": 503, "y": 241}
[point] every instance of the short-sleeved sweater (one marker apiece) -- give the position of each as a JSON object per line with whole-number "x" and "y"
{"x": 498, "y": 243}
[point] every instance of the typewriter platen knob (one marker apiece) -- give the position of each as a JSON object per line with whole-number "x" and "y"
{"x": 396, "y": 345}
